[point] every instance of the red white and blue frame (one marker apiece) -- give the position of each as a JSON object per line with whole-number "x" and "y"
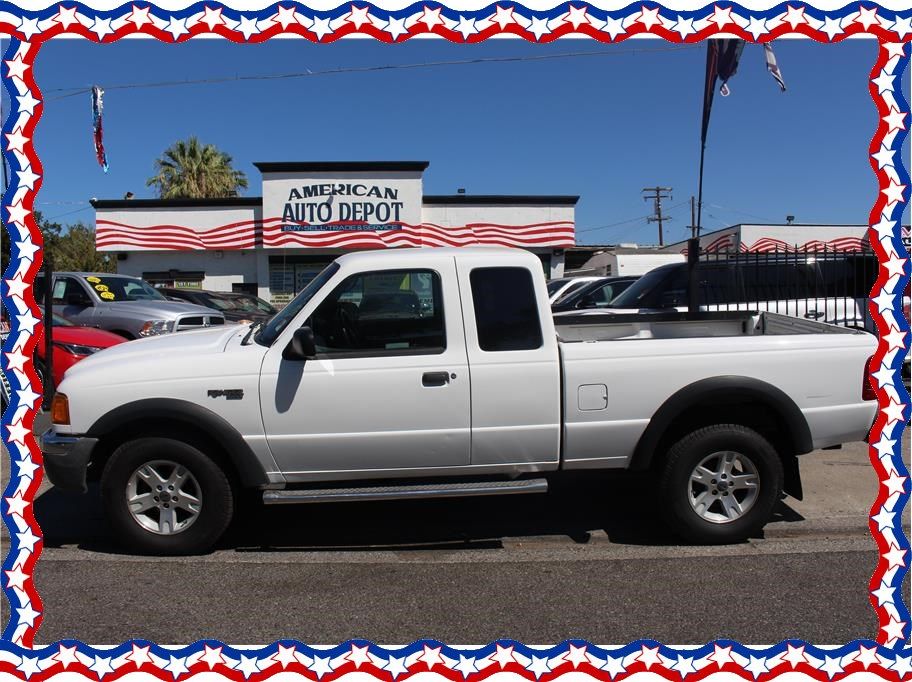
{"x": 886, "y": 655}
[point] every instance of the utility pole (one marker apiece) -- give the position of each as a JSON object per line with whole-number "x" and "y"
{"x": 693, "y": 261}
{"x": 657, "y": 194}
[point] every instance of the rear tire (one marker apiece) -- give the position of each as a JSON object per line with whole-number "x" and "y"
{"x": 166, "y": 497}
{"x": 719, "y": 484}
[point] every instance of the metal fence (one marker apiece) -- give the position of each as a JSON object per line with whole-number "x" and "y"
{"x": 822, "y": 284}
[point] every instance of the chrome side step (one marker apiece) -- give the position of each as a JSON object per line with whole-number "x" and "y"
{"x": 406, "y": 492}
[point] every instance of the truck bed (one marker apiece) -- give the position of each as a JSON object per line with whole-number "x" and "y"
{"x": 678, "y": 325}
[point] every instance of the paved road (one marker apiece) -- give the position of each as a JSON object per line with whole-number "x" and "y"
{"x": 589, "y": 560}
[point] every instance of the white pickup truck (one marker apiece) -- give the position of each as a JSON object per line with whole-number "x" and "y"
{"x": 439, "y": 373}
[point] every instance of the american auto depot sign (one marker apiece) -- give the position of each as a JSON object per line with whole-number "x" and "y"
{"x": 341, "y": 203}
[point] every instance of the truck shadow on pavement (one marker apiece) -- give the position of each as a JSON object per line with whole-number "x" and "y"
{"x": 595, "y": 506}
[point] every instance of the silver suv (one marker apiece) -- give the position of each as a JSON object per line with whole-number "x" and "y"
{"x": 125, "y": 305}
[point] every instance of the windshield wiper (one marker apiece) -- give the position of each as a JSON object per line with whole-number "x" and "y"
{"x": 253, "y": 328}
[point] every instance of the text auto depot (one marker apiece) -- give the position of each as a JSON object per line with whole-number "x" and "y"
{"x": 329, "y": 210}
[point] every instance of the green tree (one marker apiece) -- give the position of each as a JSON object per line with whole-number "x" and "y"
{"x": 75, "y": 251}
{"x": 190, "y": 170}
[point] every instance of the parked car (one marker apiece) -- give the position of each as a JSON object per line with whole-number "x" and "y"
{"x": 593, "y": 295}
{"x": 564, "y": 285}
{"x": 473, "y": 392}
{"x": 71, "y": 343}
{"x": 126, "y": 306}
{"x": 235, "y": 307}
{"x": 829, "y": 289}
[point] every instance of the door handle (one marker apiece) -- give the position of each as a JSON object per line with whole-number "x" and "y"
{"x": 813, "y": 315}
{"x": 435, "y": 378}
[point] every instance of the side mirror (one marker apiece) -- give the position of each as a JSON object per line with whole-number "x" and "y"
{"x": 670, "y": 299}
{"x": 587, "y": 302}
{"x": 301, "y": 346}
{"x": 80, "y": 300}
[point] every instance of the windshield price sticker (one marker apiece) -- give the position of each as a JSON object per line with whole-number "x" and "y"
{"x": 93, "y": 280}
{"x": 107, "y": 295}
{"x": 101, "y": 287}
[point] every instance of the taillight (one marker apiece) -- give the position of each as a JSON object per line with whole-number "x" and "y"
{"x": 60, "y": 409}
{"x": 867, "y": 384}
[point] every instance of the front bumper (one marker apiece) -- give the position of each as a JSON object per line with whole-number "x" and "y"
{"x": 66, "y": 459}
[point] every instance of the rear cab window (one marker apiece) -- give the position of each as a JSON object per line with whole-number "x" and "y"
{"x": 506, "y": 309}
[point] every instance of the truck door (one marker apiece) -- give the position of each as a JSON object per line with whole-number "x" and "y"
{"x": 389, "y": 388}
{"x": 516, "y": 392}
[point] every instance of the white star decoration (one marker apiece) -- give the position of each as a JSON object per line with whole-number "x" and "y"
{"x": 358, "y": 655}
{"x": 721, "y": 17}
{"x": 395, "y": 27}
{"x": 649, "y": 18}
{"x": 538, "y": 27}
{"x": 466, "y": 26}
{"x": 213, "y": 18}
{"x": 140, "y": 16}
{"x": 102, "y": 27}
{"x": 614, "y": 27}
{"x": 177, "y": 27}
{"x": 576, "y": 16}
{"x": 29, "y": 27}
{"x": 66, "y": 16}
{"x": 795, "y": 16}
{"x": 286, "y": 16}
{"x": 431, "y": 18}
{"x": 248, "y": 26}
{"x": 757, "y": 27}
{"x": 684, "y": 26}
{"x": 832, "y": 27}
{"x": 503, "y": 16}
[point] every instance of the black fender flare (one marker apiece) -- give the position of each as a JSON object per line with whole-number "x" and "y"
{"x": 198, "y": 418}
{"x": 734, "y": 389}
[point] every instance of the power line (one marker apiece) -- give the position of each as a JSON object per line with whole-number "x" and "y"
{"x": 625, "y": 222}
{"x": 75, "y": 91}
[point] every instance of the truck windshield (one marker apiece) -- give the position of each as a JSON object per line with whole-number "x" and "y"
{"x": 268, "y": 334}
{"x": 648, "y": 290}
{"x": 113, "y": 288}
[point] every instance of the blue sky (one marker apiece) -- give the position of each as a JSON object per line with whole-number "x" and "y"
{"x": 602, "y": 126}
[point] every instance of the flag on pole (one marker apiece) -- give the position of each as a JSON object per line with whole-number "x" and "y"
{"x": 722, "y": 57}
{"x": 97, "y": 107}
{"x": 772, "y": 66}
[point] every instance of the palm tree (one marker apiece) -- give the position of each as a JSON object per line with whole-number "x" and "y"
{"x": 190, "y": 170}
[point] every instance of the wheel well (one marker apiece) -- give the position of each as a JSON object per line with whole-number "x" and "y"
{"x": 163, "y": 428}
{"x": 757, "y": 416}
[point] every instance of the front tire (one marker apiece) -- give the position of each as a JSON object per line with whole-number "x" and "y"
{"x": 719, "y": 484}
{"x": 166, "y": 497}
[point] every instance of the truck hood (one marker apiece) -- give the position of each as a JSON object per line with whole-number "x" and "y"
{"x": 161, "y": 310}
{"x": 137, "y": 357}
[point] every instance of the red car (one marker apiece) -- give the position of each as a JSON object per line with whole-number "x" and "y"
{"x": 71, "y": 344}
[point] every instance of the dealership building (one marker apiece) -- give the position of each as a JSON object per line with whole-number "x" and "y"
{"x": 310, "y": 213}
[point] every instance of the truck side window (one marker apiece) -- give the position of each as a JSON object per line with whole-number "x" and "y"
{"x": 65, "y": 287}
{"x": 38, "y": 289}
{"x": 506, "y": 310}
{"x": 387, "y": 311}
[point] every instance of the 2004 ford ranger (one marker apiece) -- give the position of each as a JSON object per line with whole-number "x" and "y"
{"x": 440, "y": 373}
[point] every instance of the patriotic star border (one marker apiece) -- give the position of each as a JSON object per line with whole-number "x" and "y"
{"x": 888, "y": 657}
{"x": 461, "y": 26}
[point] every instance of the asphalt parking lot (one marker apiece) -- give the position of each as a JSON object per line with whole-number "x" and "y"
{"x": 588, "y": 560}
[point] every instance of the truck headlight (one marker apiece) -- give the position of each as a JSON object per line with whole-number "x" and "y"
{"x": 156, "y": 327}
{"x": 78, "y": 349}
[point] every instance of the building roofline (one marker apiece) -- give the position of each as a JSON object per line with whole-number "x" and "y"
{"x": 340, "y": 166}
{"x": 488, "y": 199}
{"x": 227, "y": 202}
